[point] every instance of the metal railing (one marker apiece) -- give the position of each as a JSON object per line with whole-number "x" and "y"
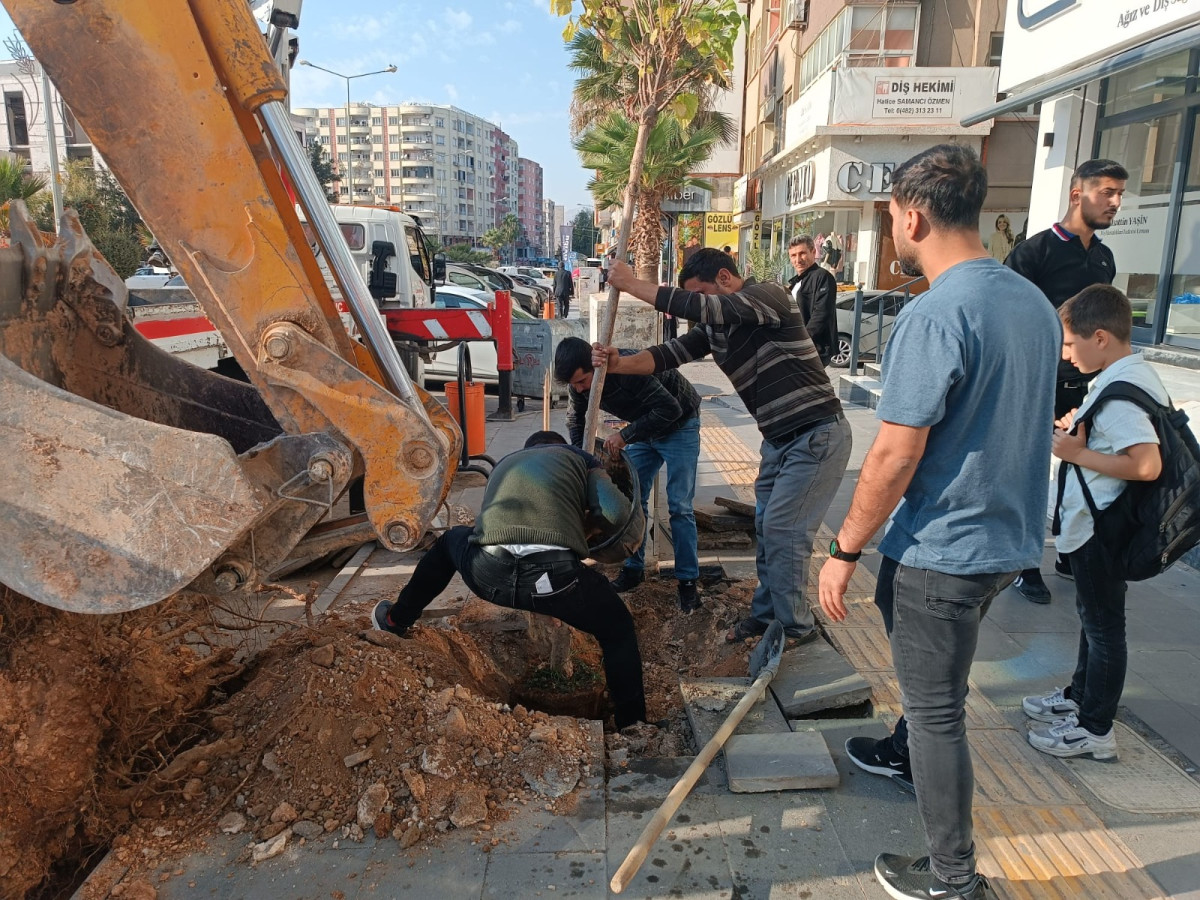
{"x": 880, "y": 341}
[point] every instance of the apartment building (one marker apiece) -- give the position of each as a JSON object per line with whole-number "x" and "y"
{"x": 441, "y": 163}
{"x": 838, "y": 94}
{"x": 25, "y": 109}
{"x": 554, "y": 215}
{"x": 530, "y": 209}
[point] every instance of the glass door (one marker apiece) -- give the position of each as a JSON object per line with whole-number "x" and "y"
{"x": 1183, "y": 297}
{"x": 1140, "y": 234}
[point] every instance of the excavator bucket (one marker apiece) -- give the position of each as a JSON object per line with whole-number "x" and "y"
{"x": 123, "y": 481}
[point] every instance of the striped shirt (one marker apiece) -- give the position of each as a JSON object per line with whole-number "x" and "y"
{"x": 758, "y": 339}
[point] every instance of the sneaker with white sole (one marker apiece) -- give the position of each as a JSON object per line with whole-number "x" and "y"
{"x": 879, "y": 757}
{"x": 1066, "y": 739}
{"x": 911, "y": 878}
{"x": 379, "y": 619}
{"x": 1052, "y": 707}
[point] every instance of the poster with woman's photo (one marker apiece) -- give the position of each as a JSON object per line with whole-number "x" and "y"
{"x": 1002, "y": 230}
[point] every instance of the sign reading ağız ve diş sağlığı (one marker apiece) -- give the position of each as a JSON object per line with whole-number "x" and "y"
{"x": 899, "y": 97}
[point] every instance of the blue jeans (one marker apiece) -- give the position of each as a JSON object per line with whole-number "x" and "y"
{"x": 680, "y": 450}
{"x": 935, "y": 629}
{"x": 795, "y": 485}
{"x": 1103, "y": 652}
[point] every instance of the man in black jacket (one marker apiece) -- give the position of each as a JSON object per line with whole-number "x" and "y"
{"x": 663, "y": 412}
{"x": 815, "y": 291}
{"x": 526, "y": 551}
{"x": 564, "y": 290}
{"x": 1063, "y": 260}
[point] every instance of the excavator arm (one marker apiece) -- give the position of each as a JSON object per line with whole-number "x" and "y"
{"x": 137, "y": 475}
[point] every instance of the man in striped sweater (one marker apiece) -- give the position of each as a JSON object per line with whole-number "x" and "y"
{"x": 755, "y": 334}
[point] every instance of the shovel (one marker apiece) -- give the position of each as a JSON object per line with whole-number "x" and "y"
{"x": 764, "y": 663}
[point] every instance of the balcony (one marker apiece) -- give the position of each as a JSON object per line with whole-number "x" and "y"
{"x": 924, "y": 100}
{"x": 360, "y": 126}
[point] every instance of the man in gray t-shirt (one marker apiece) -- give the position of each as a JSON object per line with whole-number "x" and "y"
{"x": 968, "y": 385}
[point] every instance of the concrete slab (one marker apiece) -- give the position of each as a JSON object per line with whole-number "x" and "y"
{"x": 798, "y": 760}
{"x": 815, "y": 677}
{"x": 1142, "y": 781}
{"x": 453, "y": 868}
{"x": 546, "y": 875}
{"x": 709, "y": 701}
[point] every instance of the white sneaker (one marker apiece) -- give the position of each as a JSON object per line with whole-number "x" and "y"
{"x": 1052, "y": 707}
{"x": 1066, "y": 738}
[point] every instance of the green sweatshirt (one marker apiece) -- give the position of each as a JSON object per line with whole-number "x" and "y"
{"x": 536, "y": 496}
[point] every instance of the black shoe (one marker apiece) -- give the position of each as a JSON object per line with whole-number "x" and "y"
{"x": 627, "y": 580}
{"x": 689, "y": 600}
{"x": 1062, "y": 569}
{"x": 800, "y": 638}
{"x": 1029, "y": 584}
{"x": 911, "y": 878}
{"x": 879, "y": 757}
{"x": 379, "y": 619}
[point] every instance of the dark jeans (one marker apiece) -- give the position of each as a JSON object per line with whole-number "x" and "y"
{"x": 934, "y": 622}
{"x": 576, "y": 595}
{"x": 1103, "y": 654}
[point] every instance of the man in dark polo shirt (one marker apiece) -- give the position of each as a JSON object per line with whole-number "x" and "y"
{"x": 663, "y": 416}
{"x": 1063, "y": 260}
{"x": 526, "y": 551}
{"x": 755, "y": 334}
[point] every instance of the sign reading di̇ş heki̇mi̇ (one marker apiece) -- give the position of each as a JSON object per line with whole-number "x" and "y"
{"x": 902, "y": 98}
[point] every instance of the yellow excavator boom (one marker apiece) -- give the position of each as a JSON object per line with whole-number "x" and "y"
{"x": 136, "y": 474}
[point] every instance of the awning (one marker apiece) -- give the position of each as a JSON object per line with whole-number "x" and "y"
{"x": 1127, "y": 59}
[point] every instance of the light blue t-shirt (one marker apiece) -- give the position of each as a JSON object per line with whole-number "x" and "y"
{"x": 974, "y": 358}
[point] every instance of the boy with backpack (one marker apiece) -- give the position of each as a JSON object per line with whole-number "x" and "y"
{"x": 1107, "y": 443}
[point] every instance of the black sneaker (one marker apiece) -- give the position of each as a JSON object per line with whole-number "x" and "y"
{"x": 379, "y": 619}
{"x": 1062, "y": 569}
{"x": 627, "y": 580}
{"x": 689, "y": 600}
{"x": 911, "y": 878}
{"x": 879, "y": 757}
{"x": 1029, "y": 584}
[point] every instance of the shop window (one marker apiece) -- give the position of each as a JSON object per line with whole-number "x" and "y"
{"x": 1144, "y": 85}
{"x": 18, "y": 128}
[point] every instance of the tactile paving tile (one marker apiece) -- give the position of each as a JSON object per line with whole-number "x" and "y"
{"x": 1008, "y": 772}
{"x": 1039, "y": 853}
{"x": 864, "y": 648}
{"x": 726, "y": 453}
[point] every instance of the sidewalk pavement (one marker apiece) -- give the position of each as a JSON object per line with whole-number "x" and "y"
{"x": 1045, "y": 827}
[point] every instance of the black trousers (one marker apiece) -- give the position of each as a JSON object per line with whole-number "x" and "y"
{"x": 555, "y": 583}
{"x": 562, "y": 306}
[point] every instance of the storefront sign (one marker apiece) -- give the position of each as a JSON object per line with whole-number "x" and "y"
{"x": 719, "y": 231}
{"x": 692, "y": 199}
{"x": 876, "y": 178}
{"x": 801, "y": 184}
{"x": 1045, "y": 38}
{"x": 875, "y": 96}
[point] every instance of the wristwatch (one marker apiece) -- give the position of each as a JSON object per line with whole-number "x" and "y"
{"x": 837, "y": 552}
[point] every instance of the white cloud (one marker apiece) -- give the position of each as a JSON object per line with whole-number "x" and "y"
{"x": 509, "y": 26}
{"x": 456, "y": 18}
{"x": 451, "y": 91}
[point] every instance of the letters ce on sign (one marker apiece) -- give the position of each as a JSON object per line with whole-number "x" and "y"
{"x": 853, "y": 176}
{"x": 801, "y": 184}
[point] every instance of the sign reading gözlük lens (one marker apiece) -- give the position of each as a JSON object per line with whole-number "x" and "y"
{"x": 1043, "y": 38}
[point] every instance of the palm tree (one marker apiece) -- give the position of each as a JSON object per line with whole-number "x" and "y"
{"x": 673, "y": 150}
{"x": 16, "y": 184}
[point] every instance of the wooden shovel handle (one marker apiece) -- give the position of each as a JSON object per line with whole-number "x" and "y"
{"x": 641, "y": 849}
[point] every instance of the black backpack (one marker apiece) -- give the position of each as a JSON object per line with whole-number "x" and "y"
{"x": 1152, "y": 523}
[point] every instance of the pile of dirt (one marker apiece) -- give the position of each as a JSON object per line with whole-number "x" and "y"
{"x": 94, "y": 714}
{"x": 336, "y": 729}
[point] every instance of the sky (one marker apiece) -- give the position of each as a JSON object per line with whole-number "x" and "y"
{"x": 503, "y": 60}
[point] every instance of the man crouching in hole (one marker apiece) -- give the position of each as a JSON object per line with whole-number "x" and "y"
{"x": 526, "y": 551}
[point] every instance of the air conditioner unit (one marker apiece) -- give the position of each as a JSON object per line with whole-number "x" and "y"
{"x": 795, "y": 14}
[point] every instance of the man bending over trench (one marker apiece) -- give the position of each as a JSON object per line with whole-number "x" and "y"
{"x": 526, "y": 551}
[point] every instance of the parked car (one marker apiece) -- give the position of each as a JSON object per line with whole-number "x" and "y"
{"x": 529, "y": 272}
{"x": 444, "y": 366}
{"x": 148, "y": 277}
{"x": 489, "y": 281}
{"x": 542, "y": 292}
{"x": 868, "y": 340}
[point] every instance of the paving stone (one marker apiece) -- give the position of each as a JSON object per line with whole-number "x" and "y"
{"x": 529, "y": 875}
{"x": 797, "y": 760}
{"x": 814, "y": 677}
{"x": 709, "y": 701}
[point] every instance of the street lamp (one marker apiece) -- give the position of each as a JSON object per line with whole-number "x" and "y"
{"x": 348, "y": 78}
